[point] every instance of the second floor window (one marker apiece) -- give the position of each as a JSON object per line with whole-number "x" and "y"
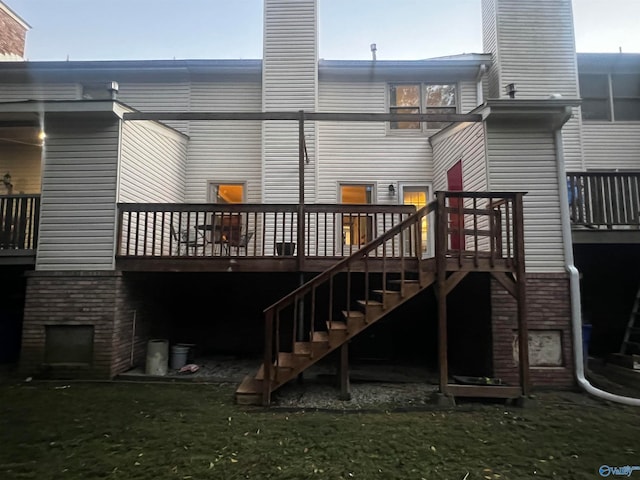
{"x": 614, "y": 97}
{"x": 421, "y": 98}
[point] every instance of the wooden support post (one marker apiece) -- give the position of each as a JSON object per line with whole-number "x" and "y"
{"x": 301, "y": 149}
{"x": 523, "y": 333}
{"x": 441, "y": 290}
{"x": 268, "y": 353}
{"x": 345, "y": 386}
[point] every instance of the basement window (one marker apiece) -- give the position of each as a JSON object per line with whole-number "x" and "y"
{"x": 422, "y": 98}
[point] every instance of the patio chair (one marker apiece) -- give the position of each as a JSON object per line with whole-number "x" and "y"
{"x": 240, "y": 242}
{"x": 188, "y": 239}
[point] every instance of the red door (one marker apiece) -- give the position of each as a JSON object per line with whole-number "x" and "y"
{"x": 456, "y": 221}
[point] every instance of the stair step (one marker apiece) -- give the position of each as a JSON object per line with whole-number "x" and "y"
{"x": 336, "y": 326}
{"x": 249, "y": 384}
{"x": 286, "y": 360}
{"x": 406, "y": 280}
{"x": 356, "y": 314}
{"x": 369, "y": 303}
{"x": 249, "y": 392}
{"x": 320, "y": 337}
{"x": 387, "y": 292}
{"x": 302, "y": 349}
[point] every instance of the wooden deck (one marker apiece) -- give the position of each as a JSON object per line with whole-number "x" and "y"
{"x": 254, "y": 237}
{"x": 19, "y": 216}
{"x": 604, "y": 206}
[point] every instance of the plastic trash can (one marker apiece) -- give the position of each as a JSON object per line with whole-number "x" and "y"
{"x": 157, "y": 357}
{"x": 179, "y": 355}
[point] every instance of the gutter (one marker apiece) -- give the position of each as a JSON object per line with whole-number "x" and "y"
{"x": 574, "y": 285}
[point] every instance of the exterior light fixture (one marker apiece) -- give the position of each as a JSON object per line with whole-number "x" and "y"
{"x": 511, "y": 90}
{"x": 392, "y": 190}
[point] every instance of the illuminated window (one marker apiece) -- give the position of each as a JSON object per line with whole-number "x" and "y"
{"x": 226, "y": 192}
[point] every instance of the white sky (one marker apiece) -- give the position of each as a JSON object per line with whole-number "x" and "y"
{"x": 401, "y": 29}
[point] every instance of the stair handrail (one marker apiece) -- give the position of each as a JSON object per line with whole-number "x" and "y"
{"x": 357, "y": 255}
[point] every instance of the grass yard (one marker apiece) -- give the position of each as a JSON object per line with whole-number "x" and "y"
{"x": 190, "y": 431}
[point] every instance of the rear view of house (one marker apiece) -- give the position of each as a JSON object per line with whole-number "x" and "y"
{"x": 289, "y": 206}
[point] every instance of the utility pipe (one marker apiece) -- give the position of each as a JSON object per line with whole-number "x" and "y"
{"x": 479, "y": 88}
{"x": 574, "y": 285}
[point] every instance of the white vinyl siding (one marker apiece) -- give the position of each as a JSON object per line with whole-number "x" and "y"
{"x": 467, "y": 96}
{"x": 290, "y": 79}
{"x": 490, "y": 45}
{"x": 363, "y": 152}
{"x": 152, "y": 165}
{"x": 535, "y": 47}
{"x": 611, "y": 145}
{"x": 158, "y": 97}
{"x": 524, "y": 160}
{"x": 78, "y": 212}
{"x": 23, "y": 163}
{"x": 468, "y": 145}
{"x": 16, "y": 92}
{"x": 225, "y": 151}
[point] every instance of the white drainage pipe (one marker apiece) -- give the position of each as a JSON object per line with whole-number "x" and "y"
{"x": 574, "y": 286}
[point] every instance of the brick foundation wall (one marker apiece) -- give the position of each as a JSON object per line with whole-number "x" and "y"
{"x": 98, "y": 299}
{"x": 12, "y": 36}
{"x": 548, "y": 310}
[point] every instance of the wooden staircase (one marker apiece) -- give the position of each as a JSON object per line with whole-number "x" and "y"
{"x": 338, "y": 332}
{"x": 300, "y": 329}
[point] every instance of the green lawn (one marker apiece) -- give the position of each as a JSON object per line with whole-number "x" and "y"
{"x": 189, "y": 431}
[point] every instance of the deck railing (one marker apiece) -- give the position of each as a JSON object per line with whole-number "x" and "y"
{"x": 19, "y": 222}
{"x": 251, "y": 230}
{"x": 604, "y": 200}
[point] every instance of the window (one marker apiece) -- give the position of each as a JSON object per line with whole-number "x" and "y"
{"x": 614, "y": 97}
{"x": 226, "y": 192}
{"x": 421, "y": 98}
{"x": 626, "y": 97}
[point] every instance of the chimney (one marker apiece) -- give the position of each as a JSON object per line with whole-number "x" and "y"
{"x": 13, "y": 34}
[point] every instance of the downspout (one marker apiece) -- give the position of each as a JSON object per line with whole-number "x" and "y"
{"x": 574, "y": 286}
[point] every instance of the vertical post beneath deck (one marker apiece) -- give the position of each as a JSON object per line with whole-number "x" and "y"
{"x": 441, "y": 275}
{"x": 268, "y": 358}
{"x": 523, "y": 334}
{"x": 301, "y": 149}
{"x": 345, "y": 386}
{"x": 119, "y": 231}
